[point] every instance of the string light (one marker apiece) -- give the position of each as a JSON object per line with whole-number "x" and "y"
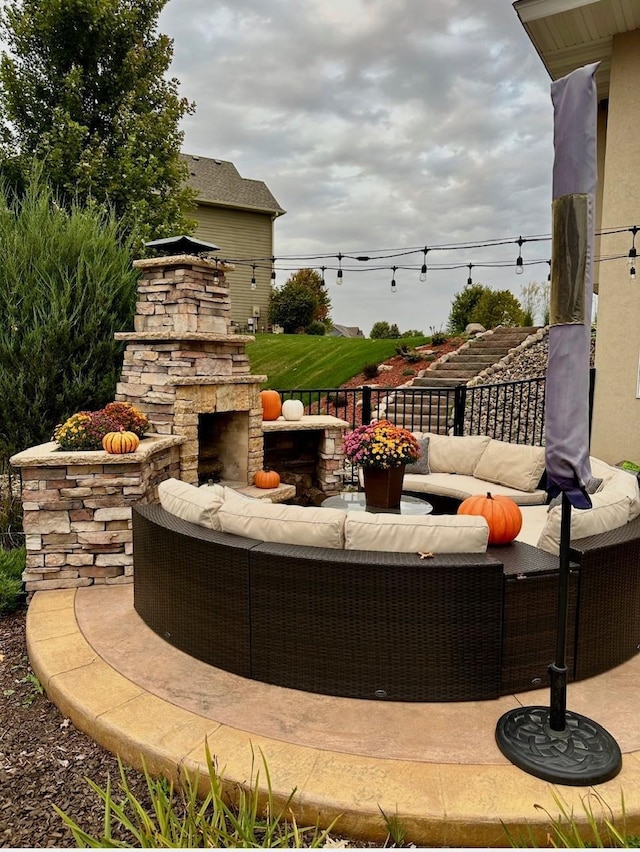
{"x": 393, "y": 279}
{"x": 633, "y": 254}
{"x": 519, "y": 261}
{"x": 423, "y": 271}
{"x": 216, "y": 276}
{"x": 374, "y": 260}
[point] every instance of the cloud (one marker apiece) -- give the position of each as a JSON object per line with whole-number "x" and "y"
{"x": 377, "y": 124}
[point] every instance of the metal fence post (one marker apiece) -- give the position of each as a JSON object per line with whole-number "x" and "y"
{"x": 459, "y": 406}
{"x": 366, "y": 405}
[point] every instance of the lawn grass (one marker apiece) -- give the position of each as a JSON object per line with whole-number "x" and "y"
{"x": 305, "y": 361}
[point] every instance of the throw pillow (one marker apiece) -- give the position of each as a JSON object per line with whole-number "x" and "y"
{"x": 422, "y": 465}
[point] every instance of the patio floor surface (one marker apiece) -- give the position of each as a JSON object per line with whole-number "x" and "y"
{"x": 434, "y": 765}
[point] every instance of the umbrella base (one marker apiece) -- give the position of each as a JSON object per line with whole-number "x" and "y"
{"x": 583, "y": 753}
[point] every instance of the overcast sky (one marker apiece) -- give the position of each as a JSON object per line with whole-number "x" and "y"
{"x": 379, "y": 125}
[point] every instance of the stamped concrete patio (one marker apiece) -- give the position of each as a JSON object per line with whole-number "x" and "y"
{"x": 434, "y": 765}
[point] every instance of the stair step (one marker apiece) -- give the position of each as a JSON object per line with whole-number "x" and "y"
{"x": 438, "y": 382}
{"x": 469, "y": 358}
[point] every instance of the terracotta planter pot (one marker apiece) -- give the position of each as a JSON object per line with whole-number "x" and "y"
{"x": 383, "y": 488}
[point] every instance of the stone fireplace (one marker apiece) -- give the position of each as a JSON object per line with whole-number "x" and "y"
{"x": 188, "y": 372}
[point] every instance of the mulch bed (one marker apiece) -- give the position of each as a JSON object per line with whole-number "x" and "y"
{"x": 43, "y": 758}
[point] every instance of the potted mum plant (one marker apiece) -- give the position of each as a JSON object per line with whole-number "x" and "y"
{"x": 86, "y": 430}
{"x": 382, "y": 450}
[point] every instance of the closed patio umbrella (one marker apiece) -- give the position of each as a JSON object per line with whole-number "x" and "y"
{"x": 551, "y": 742}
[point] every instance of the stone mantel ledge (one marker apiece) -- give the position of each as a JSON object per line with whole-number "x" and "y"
{"x": 178, "y": 336}
{"x": 50, "y": 455}
{"x": 183, "y": 260}
{"x": 308, "y": 421}
{"x": 241, "y": 379}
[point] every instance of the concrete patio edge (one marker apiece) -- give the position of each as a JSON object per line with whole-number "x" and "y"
{"x": 437, "y": 804}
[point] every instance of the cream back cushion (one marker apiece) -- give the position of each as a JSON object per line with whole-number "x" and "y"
{"x": 455, "y": 454}
{"x": 619, "y": 482}
{"x": 197, "y": 505}
{"x": 606, "y": 514}
{"x": 278, "y": 522}
{"x": 416, "y": 533}
{"x": 514, "y": 465}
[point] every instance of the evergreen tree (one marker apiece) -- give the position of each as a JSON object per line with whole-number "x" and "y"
{"x": 82, "y": 89}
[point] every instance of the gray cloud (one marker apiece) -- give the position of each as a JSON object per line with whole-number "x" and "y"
{"x": 377, "y": 124}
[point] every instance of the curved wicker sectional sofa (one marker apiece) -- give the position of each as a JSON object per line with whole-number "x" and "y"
{"x": 386, "y": 625}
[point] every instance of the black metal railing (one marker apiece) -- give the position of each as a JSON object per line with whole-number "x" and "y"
{"x": 510, "y": 411}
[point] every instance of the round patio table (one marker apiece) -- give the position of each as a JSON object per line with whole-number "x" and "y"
{"x": 354, "y": 501}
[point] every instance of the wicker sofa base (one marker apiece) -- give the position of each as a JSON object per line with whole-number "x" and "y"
{"x": 388, "y": 626}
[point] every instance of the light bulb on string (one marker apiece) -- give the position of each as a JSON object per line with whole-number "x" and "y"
{"x": 339, "y": 272}
{"x": 273, "y": 272}
{"x": 549, "y": 275}
{"x": 423, "y": 271}
{"x": 633, "y": 254}
{"x": 216, "y": 276}
{"x": 253, "y": 277}
{"x": 519, "y": 261}
{"x": 393, "y": 279}
{"x": 322, "y": 269}
{"x": 470, "y": 279}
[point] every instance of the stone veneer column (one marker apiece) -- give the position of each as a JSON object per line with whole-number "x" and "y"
{"x": 182, "y": 360}
{"x": 77, "y": 510}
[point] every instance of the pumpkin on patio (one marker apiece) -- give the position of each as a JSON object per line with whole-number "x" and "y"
{"x": 271, "y": 404}
{"x": 266, "y": 479}
{"x": 120, "y": 442}
{"x": 502, "y": 514}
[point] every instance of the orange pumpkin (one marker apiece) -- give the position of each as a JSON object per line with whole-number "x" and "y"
{"x": 266, "y": 479}
{"x": 271, "y": 404}
{"x": 120, "y": 442}
{"x": 502, "y": 513}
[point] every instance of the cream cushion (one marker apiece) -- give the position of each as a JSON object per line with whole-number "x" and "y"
{"x": 618, "y": 482}
{"x": 460, "y": 487}
{"x": 455, "y": 454}
{"x": 278, "y": 522}
{"x": 534, "y": 520}
{"x": 416, "y": 533}
{"x": 606, "y": 514}
{"x": 197, "y": 505}
{"x": 514, "y": 465}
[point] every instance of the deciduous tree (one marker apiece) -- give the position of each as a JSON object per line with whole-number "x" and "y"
{"x": 83, "y": 89}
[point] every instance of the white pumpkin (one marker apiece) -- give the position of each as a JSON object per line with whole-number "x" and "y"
{"x": 292, "y": 409}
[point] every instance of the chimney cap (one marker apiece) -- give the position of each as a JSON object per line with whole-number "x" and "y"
{"x": 182, "y": 245}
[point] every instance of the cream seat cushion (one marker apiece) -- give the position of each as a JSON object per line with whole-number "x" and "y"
{"x": 460, "y": 487}
{"x": 514, "y": 465}
{"x": 278, "y": 522}
{"x": 416, "y": 533}
{"x": 453, "y": 453}
{"x": 606, "y": 514}
{"x": 534, "y": 519}
{"x": 619, "y": 482}
{"x": 192, "y": 504}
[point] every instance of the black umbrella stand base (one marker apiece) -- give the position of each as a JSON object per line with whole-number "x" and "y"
{"x": 582, "y": 753}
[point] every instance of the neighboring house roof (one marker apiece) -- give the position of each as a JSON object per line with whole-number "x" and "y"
{"x": 345, "y": 331}
{"x": 570, "y": 33}
{"x": 218, "y": 182}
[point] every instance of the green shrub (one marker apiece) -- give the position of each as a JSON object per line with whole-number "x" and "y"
{"x": 178, "y": 819}
{"x": 66, "y": 285}
{"x": 12, "y": 564}
{"x": 316, "y": 327}
{"x": 438, "y": 337}
{"x": 11, "y": 534}
{"x": 370, "y": 371}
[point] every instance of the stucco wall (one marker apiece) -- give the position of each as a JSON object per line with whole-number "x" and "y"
{"x": 616, "y": 417}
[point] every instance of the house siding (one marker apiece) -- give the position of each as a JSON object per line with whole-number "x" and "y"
{"x": 241, "y": 234}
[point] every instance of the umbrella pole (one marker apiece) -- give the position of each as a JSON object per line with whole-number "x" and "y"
{"x": 558, "y": 669}
{"x": 550, "y": 742}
